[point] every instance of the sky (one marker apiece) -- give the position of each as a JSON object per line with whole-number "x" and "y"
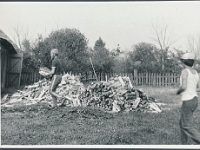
{"x": 123, "y": 23}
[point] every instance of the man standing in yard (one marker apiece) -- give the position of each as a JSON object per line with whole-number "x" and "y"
{"x": 56, "y": 71}
{"x": 189, "y": 83}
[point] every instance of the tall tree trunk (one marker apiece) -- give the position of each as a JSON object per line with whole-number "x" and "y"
{"x": 163, "y": 61}
{"x": 163, "y": 66}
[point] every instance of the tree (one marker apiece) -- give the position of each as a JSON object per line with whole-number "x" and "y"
{"x": 120, "y": 61}
{"x": 194, "y": 44}
{"x": 164, "y": 38}
{"x": 173, "y": 63}
{"x": 29, "y": 60}
{"x": 99, "y": 44}
{"x": 144, "y": 53}
{"x": 72, "y": 46}
{"x": 21, "y": 34}
{"x": 101, "y": 57}
{"x": 26, "y": 45}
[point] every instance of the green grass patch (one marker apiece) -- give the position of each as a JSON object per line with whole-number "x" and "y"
{"x": 39, "y": 125}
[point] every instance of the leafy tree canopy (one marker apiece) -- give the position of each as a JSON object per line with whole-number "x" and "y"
{"x": 72, "y": 46}
{"x": 144, "y": 53}
{"x": 102, "y": 59}
{"x": 99, "y": 44}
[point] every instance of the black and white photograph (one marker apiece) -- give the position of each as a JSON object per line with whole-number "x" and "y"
{"x": 100, "y": 74}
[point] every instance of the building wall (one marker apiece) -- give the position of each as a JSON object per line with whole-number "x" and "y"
{"x": 3, "y": 65}
{"x": 14, "y": 67}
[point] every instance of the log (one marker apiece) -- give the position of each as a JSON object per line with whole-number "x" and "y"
{"x": 3, "y": 100}
{"x": 116, "y": 108}
{"x": 136, "y": 103}
{"x": 154, "y": 106}
{"x": 42, "y": 93}
{"x": 33, "y": 86}
{"x": 121, "y": 81}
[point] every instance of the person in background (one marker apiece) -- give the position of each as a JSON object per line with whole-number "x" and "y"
{"x": 56, "y": 71}
{"x": 189, "y": 86}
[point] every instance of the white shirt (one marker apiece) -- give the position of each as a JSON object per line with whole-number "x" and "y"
{"x": 191, "y": 89}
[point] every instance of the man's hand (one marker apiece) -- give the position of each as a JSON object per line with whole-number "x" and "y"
{"x": 178, "y": 92}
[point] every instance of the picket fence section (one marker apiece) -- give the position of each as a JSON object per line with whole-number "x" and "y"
{"x": 157, "y": 79}
{"x": 152, "y": 79}
{"x": 30, "y": 78}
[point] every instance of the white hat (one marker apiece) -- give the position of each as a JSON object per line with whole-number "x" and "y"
{"x": 188, "y": 56}
{"x": 54, "y": 51}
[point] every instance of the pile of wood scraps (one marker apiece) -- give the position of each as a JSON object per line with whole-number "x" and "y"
{"x": 70, "y": 88}
{"x": 115, "y": 95}
{"x": 118, "y": 95}
{"x": 29, "y": 95}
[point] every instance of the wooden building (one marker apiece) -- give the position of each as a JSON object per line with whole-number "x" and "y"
{"x": 11, "y": 62}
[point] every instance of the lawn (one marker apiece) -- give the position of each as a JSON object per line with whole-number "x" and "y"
{"x": 38, "y": 125}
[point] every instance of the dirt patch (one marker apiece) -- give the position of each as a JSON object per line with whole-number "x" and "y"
{"x": 60, "y": 112}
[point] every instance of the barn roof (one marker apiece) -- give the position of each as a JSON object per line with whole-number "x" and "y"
{"x": 8, "y": 43}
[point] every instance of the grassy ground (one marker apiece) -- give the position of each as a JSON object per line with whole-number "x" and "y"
{"x": 37, "y": 125}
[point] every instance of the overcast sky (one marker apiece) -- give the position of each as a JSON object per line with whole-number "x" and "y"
{"x": 123, "y": 23}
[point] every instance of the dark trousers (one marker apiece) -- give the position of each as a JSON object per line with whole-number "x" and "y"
{"x": 187, "y": 129}
{"x": 54, "y": 84}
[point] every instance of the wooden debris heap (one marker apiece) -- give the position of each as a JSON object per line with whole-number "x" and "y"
{"x": 118, "y": 95}
{"x": 70, "y": 87}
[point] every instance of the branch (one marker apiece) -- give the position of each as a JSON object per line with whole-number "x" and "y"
{"x": 165, "y": 34}
{"x": 157, "y": 36}
{"x": 17, "y": 32}
{"x": 162, "y": 37}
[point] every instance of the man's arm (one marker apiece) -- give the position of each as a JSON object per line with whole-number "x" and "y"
{"x": 52, "y": 71}
{"x": 53, "y": 68}
{"x": 182, "y": 88}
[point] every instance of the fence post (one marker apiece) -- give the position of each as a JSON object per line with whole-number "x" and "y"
{"x": 138, "y": 78}
{"x": 35, "y": 79}
{"x": 146, "y": 78}
{"x": 142, "y": 78}
{"x": 99, "y": 76}
{"x": 135, "y": 77}
{"x": 159, "y": 79}
{"x": 171, "y": 80}
{"x": 178, "y": 79}
{"x": 86, "y": 77}
{"x": 131, "y": 77}
{"x": 150, "y": 79}
{"x": 168, "y": 79}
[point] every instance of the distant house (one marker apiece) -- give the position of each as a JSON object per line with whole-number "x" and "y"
{"x": 11, "y": 62}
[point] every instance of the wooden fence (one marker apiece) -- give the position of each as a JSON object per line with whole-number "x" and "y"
{"x": 157, "y": 79}
{"x": 30, "y": 78}
{"x": 152, "y": 79}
